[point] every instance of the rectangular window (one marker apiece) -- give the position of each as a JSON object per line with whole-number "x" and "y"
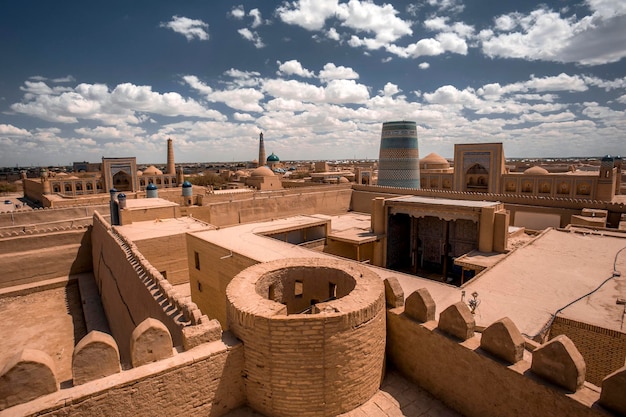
{"x": 298, "y": 289}
{"x": 332, "y": 290}
{"x": 196, "y": 257}
{"x": 271, "y": 294}
{"x": 199, "y": 286}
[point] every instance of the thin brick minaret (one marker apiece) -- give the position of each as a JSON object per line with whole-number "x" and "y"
{"x": 261, "y": 150}
{"x": 171, "y": 169}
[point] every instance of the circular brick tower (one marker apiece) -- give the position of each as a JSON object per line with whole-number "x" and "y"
{"x": 313, "y": 332}
{"x": 398, "y": 160}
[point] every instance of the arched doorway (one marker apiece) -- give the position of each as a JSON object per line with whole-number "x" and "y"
{"x": 122, "y": 181}
{"x": 477, "y": 178}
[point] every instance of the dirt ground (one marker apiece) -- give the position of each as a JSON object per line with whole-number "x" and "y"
{"x": 51, "y": 321}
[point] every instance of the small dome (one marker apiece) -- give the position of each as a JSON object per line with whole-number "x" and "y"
{"x": 536, "y": 170}
{"x": 434, "y": 161}
{"x": 139, "y": 173}
{"x": 240, "y": 173}
{"x": 121, "y": 196}
{"x": 273, "y": 158}
{"x": 187, "y": 184}
{"x": 343, "y": 180}
{"x": 152, "y": 170}
{"x": 151, "y": 187}
{"x": 262, "y": 172}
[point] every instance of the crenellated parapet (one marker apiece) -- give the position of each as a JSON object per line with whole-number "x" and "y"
{"x": 488, "y": 371}
{"x": 30, "y": 374}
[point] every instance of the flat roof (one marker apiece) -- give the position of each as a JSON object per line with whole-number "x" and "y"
{"x": 141, "y": 203}
{"x": 550, "y": 272}
{"x": 442, "y": 201}
{"x": 150, "y": 229}
{"x": 528, "y": 285}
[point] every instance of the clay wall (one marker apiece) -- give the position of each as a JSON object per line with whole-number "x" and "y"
{"x": 205, "y": 381}
{"x": 473, "y": 382}
{"x": 27, "y": 259}
{"x": 33, "y": 189}
{"x": 131, "y": 289}
{"x": 604, "y": 350}
{"x": 168, "y": 254}
{"x": 48, "y": 218}
{"x": 563, "y": 207}
{"x": 319, "y": 364}
{"x": 276, "y": 204}
{"x": 208, "y": 282}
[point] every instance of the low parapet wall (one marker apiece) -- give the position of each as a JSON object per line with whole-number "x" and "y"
{"x": 483, "y": 375}
{"x": 206, "y": 381}
{"x": 263, "y": 206}
{"x": 133, "y": 290}
{"x": 365, "y": 193}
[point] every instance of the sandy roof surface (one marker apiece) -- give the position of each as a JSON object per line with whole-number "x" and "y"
{"x": 162, "y": 227}
{"x": 528, "y": 285}
{"x": 544, "y": 276}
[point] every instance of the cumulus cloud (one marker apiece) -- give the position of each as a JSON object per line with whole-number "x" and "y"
{"x": 253, "y": 37}
{"x": 333, "y": 34}
{"x": 333, "y": 72}
{"x": 189, "y": 28}
{"x": 544, "y": 34}
{"x": 309, "y": 14}
{"x": 256, "y": 16}
{"x": 294, "y": 67}
{"x": 238, "y": 12}
{"x": 124, "y": 104}
{"x": 245, "y": 99}
{"x": 10, "y": 130}
{"x": 424, "y": 65}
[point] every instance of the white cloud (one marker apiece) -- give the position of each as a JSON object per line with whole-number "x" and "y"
{"x": 243, "y": 78}
{"x": 309, "y": 14}
{"x": 424, "y": 65}
{"x": 189, "y": 28}
{"x": 196, "y": 84}
{"x": 256, "y": 15}
{"x": 346, "y": 91}
{"x": 333, "y": 72}
{"x": 252, "y": 37}
{"x": 124, "y": 104}
{"x": 243, "y": 117}
{"x": 238, "y": 12}
{"x": 382, "y": 21}
{"x": 544, "y": 34}
{"x": 333, "y": 34}
{"x": 294, "y": 67}
{"x": 245, "y": 99}
{"x": 561, "y": 82}
{"x": 390, "y": 90}
{"x": 10, "y": 130}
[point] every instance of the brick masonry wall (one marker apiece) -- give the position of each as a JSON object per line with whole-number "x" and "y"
{"x": 30, "y": 259}
{"x": 169, "y": 254}
{"x": 205, "y": 381}
{"x": 310, "y": 364}
{"x": 604, "y": 350}
{"x": 126, "y": 300}
{"x": 471, "y": 381}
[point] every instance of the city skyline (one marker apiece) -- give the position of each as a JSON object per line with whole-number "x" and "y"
{"x": 317, "y": 78}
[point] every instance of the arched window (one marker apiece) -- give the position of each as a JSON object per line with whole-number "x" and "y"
{"x": 89, "y": 186}
{"x": 68, "y": 188}
{"x": 79, "y": 186}
{"x": 56, "y": 188}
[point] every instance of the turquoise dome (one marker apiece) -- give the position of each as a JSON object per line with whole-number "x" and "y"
{"x": 187, "y": 184}
{"x": 151, "y": 187}
{"x": 273, "y": 158}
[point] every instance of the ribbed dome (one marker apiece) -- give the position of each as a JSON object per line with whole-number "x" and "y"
{"x": 151, "y": 187}
{"x": 434, "y": 161}
{"x": 152, "y": 170}
{"x": 273, "y": 158}
{"x": 262, "y": 172}
{"x": 187, "y": 184}
{"x": 536, "y": 170}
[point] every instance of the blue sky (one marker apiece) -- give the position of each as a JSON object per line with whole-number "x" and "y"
{"x": 81, "y": 80}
